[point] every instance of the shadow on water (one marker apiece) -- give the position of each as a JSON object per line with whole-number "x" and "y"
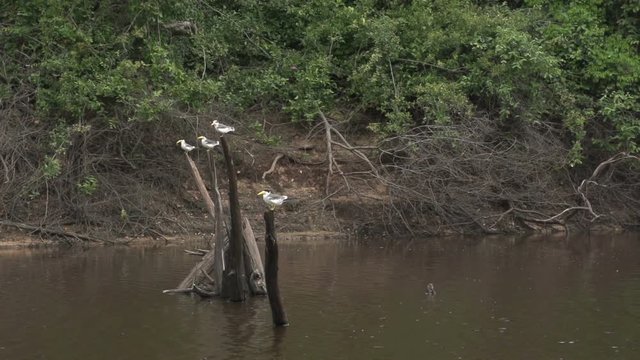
{"x": 497, "y": 298}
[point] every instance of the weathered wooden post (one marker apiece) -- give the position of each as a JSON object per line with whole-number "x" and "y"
{"x": 271, "y": 271}
{"x": 234, "y": 283}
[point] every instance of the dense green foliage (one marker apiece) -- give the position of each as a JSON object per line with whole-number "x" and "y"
{"x": 570, "y": 65}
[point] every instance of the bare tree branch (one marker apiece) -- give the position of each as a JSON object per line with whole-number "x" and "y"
{"x": 273, "y": 166}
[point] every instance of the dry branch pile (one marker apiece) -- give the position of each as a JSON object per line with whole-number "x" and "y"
{"x": 471, "y": 176}
{"x": 132, "y": 168}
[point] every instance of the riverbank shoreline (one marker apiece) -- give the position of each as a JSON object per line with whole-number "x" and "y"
{"x": 15, "y": 239}
{"x": 349, "y": 198}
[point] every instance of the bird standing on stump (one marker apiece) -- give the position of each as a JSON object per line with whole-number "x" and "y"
{"x": 222, "y": 128}
{"x": 184, "y": 146}
{"x": 272, "y": 200}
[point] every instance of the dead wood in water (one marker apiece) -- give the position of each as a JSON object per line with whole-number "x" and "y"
{"x": 196, "y": 276}
{"x": 178, "y": 291}
{"x": 199, "y": 275}
{"x": 218, "y": 254}
{"x": 234, "y": 282}
{"x": 203, "y": 291}
{"x": 252, "y": 261}
{"x": 218, "y": 247}
{"x": 271, "y": 271}
{"x": 227, "y": 280}
{"x": 196, "y": 253}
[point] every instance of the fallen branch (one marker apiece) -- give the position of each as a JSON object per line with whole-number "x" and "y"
{"x": 178, "y": 291}
{"x": 208, "y": 276}
{"x": 581, "y": 190}
{"x": 194, "y": 276}
{"x": 196, "y": 253}
{"x": 203, "y": 292}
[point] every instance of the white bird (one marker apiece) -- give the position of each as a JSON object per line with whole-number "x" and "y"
{"x": 272, "y": 200}
{"x": 207, "y": 143}
{"x": 186, "y": 147}
{"x": 222, "y": 128}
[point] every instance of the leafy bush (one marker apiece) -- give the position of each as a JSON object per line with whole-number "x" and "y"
{"x": 77, "y": 69}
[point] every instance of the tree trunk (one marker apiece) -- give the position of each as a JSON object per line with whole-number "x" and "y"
{"x": 218, "y": 248}
{"x": 234, "y": 282}
{"x": 271, "y": 271}
{"x": 252, "y": 261}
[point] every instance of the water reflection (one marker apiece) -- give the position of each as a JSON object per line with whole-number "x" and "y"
{"x": 497, "y": 297}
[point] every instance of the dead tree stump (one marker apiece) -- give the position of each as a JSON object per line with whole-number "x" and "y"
{"x": 271, "y": 271}
{"x": 227, "y": 266}
{"x": 234, "y": 282}
{"x": 253, "y": 263}
{"x": 199, "y": 275}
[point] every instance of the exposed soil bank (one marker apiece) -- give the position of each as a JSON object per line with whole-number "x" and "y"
{"x": 359, "y": 186}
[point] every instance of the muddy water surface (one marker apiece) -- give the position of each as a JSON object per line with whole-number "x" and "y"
{"x": 497, "y": 298}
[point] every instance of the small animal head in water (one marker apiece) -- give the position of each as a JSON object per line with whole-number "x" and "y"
{"x": 431, "y": 290}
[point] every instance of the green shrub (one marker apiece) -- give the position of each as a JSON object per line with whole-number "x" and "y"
{"x": 573, "y": 65}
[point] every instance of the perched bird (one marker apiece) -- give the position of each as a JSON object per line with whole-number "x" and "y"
{"x": 222, "y": 128}
{"x": 186, "y": 147}
{"x": 207, "y": 143}
{"x": 272, "y": 200}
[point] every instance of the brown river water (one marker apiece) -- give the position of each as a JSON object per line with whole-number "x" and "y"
{"x": 497, "y": 298}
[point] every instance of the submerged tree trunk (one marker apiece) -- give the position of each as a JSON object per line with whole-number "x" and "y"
{"x": 234, "y": 282}
{"x": 271, "y": 271}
